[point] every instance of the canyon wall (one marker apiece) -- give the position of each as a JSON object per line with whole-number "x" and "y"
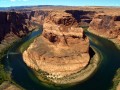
{"x": 19, "y": 23}
{"x": 38, "y": 16}
{"x": 62, "y": 49}
{"x": 107, "y": 26}
{"x": 83, "y": 17}
{"x": 14, "y": 25}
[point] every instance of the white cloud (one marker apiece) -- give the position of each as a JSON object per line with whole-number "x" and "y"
{"x": 12, "y": 0}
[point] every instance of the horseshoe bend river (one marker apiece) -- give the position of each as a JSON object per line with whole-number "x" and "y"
{"x": 100, "y": 80}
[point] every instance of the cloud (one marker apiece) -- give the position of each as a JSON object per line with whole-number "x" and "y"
{"x": 12, "y": 0}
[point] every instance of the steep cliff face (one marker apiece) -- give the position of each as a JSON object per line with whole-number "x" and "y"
{"x": 37, "y": 16}
{"x": 13, "y": 24}
{"x": 18, "y": 23}
{"x": 62, "y": 49}
{"x": 107, "y": 26}
{"x": 83, "y": 17}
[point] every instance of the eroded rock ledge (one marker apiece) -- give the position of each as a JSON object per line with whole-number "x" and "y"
{"x": 62, "y": 49}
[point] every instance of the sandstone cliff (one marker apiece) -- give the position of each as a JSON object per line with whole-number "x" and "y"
{"x": 14, "y": 25}
{"x": 62, "y": 49}
{"x": 107, "y": 26}
{"x": 37, "y": 16}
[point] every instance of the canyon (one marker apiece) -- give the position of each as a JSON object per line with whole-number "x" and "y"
{"x": 15, "y": 24}
{"x": 63, "y": 49}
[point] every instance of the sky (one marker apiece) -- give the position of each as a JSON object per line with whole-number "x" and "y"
{"x": 9, "y": 3}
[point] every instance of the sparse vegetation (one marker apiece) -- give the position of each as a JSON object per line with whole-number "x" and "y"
{"x": 116, "y": 80}
{"x": 4, "y": 75}
{"x": 25, "y": 45}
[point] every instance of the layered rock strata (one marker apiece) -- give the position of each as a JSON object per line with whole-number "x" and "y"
{"x": 13, "y": 25}
{"x": 38, "y": 16}
{"x": 12, "y": 22}
{"x": 107, "y": 26}
{"x": 16, "y": 24}
{"x": 62, "y": 49}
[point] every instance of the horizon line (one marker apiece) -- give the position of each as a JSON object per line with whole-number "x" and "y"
{"x": 59, "y": 5}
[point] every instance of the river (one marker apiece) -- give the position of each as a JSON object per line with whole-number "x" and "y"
{"x": 101, "y": 80}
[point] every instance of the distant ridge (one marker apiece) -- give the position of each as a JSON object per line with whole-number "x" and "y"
{"x": 49, "y": 6}
{"x": 24, "y": 7}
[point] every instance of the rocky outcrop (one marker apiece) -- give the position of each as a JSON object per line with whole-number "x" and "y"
{"x": 62, "y": 49}
{"x": 107, "y": 26}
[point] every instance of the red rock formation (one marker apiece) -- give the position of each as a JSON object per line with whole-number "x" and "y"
{"x": 12, "y": 22}
{"x": 37, "y": 16}
{"x": 62, "y": 49}
{"x": 105, "y": 25}
{"x": 18, "y": 23}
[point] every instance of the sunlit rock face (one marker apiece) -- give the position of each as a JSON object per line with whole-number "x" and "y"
{"x": 106, "y": 25}
{"x": 62, "y": 49}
